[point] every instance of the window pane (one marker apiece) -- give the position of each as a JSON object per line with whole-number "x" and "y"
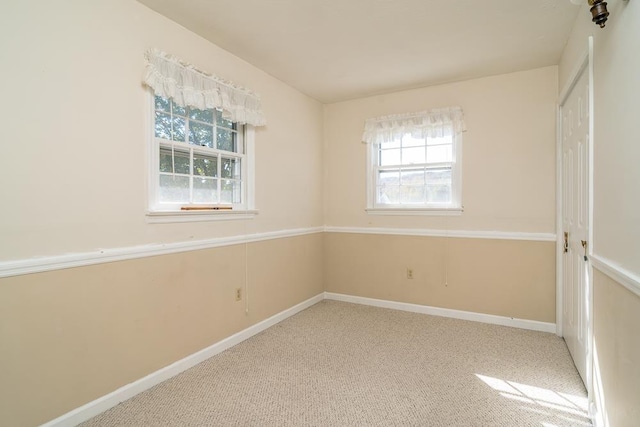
{"x": 205, "y": 165}
{"x": 391, "y": 144}
{"x": 174, "y": 189}
{"x": 162, "y": 104}
{"x": 439, "y": 193}
{"x": 163, "y": 125}
{"x": 200, "y": 134}
{"x": 181, "y": 111}
{"x": 230, "y": 168}
{"x": 439, "y": 153}
{"x": 412, "y": 194}
{"x": 224, "y": 122}
{"x": 389, "y": 157}
{"x": 181, "y": 161}
{"x": 409, "y": 141}
{"x": 440, "y": 140}
{"x": 439, "y": 185}
{"x": 179, "y": 129}
{"x": 201, "y": 115}
{"x": 413, "y": 155}
{"x": 166, "y": 160}
{"x": 388, "y": 178}
{"x": 226, "y": 140}
{"x": 388, "y": 194}
{"x": 230, "y": 192}
{"x": 205, "y": 190}
{"x": 412, "y": 177}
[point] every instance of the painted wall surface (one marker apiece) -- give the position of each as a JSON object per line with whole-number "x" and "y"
{"x": 616, "y": 203}
{"x": 508, "y": 159}
{"x": 511, "y": 278}
{"x": 68, "y": 337}
{"x": 616, "y": 329}
{"x": 75, "y": 138}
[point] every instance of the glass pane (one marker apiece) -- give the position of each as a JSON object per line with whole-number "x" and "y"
{"x": 230, "y": 168}
{"x": 409, "y": 141}
{"x": 388, "y": 194}
{"x": 174, "y": 189}
{"x": 231, "y": 191}
{"x": 412, "y": 177}
{"x": 163, "y": 125}
{"x": 205, "y": 165}
{"x": 201, "y": 115}
{"x": 205, "y": 190}
{"x": 162, "y": 104}
{"x": 439, "y": 193}
{"x": 179, "y": 125}
{"x": 181, "y": 161}
{"x": 438, "y": 176}
{"x": 200, "y": 134}
{"x": 166, "y": 161}
{"x": 413, "y": 155}
{"x": 224, "y": 122}
{"x": 226, "y": 140}
{"x": 390, "y": 157}
{"x": 412, "y": 194}
{"x": 439, "y": 153}
{"x": 392, "y": 144}
{"x": 181, "y": 111}
{"x": 440, "y": 140}
{"x": 388, "y": 178}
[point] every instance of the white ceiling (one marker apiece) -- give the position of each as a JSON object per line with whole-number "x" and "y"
{"x": 334, "y": 50}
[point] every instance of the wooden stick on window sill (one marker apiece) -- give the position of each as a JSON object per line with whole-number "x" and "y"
{"x": 206, "y": 208}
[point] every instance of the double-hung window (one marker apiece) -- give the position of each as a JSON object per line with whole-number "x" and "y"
{"x": 201, "y": 156}
{"x": 414, "y": 162}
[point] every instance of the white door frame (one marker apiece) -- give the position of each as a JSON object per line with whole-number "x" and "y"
{"x": 585, "y": 64}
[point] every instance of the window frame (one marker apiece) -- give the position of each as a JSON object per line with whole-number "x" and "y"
{"x": 163, "y": 212}
{"x": 453, "y": 208}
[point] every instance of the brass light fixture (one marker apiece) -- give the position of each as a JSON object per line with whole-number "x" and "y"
{"x": 599, "y": 12}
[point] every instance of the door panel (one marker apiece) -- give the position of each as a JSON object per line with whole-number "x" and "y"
{"x": 575, "y": 137}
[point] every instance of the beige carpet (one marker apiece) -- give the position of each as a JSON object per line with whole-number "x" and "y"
{"x": 339, "y": 364}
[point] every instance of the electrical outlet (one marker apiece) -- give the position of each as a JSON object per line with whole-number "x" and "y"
{"x": 238, "y": 294}
{"x": 409, "y": 273}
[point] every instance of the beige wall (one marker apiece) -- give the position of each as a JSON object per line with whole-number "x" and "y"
{"x": 616, "y": 203}
{"x": 509, "y": 278}
{"x": 74, "y": 173}
{"x": 74, "y": 138}
{"x": 68, "y": 337}
{"x": 508, "y": 159}
{"x": 616, "y": 329}
{"x": 508, "y": 185}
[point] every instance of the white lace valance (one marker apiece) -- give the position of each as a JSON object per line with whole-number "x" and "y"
{"x": 170, "y": 77}
{"x": 433, "y": 123}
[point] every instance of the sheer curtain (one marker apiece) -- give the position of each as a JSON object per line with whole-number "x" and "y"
{"x": 171, "y": 77}
{"x": 433, "y": 123}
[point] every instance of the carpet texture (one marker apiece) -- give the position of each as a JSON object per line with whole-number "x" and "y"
{"x": 339, "y": 364}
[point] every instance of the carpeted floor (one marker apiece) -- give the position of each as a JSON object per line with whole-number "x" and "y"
{"x": 339, "y": 364}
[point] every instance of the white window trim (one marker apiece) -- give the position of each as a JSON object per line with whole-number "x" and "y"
{"x": 155, "y": 215}
{"x": 455, "y": 208}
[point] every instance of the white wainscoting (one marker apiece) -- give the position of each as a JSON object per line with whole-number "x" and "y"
{"x": 470, "y": 234}
{"x": 617, "y": 273}
{"x": 37, "y": 265}
{"x": 112, "y": 399}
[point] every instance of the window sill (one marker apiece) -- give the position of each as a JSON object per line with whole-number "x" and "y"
{"x": 160, "y": 217}
{"x": 416, "y": 211}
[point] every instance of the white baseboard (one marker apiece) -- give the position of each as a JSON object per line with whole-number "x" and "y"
{"x": 533, "y": 325}
{"x": 112, "y": 399}
{"x": 128, "y": 391}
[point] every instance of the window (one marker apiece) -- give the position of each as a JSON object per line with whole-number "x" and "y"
{"x": 200, "y": 158}
{"x": 201, "y": 164}
{"x": 414, "y": 162}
